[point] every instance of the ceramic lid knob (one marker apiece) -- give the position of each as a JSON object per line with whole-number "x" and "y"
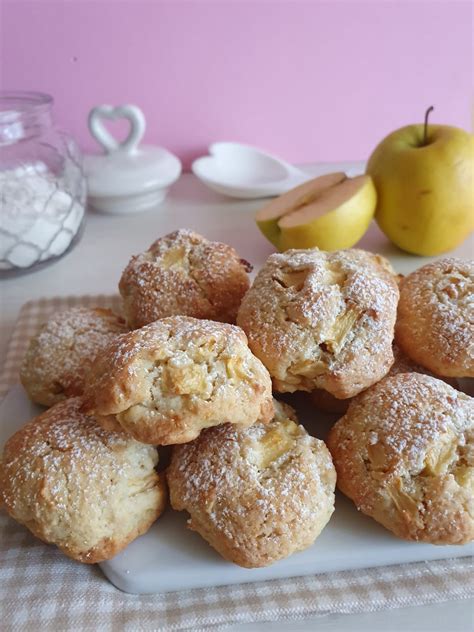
{"x": 127, "y": 177}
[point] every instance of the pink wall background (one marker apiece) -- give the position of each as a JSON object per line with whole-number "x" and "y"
{"x": 311, "y": 81}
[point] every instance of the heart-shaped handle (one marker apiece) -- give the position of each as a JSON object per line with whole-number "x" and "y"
{"x": 131, "y": 112}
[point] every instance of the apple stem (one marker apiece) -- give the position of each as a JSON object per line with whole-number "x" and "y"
{"x": 425, "y": 130}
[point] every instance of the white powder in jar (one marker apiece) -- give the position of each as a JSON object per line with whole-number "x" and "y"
{"x": 38, "y": 218}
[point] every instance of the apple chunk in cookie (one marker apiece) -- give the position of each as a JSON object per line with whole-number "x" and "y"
{"x": 73, "y": 484}
{"x": 322, "y": 320}
{"x": 184, "y": 273}
{"x": 167, "y": 381}
{"x": 404, "y": 453}
{"x": 256, "y": 494}
{"x": 435, "y": 324}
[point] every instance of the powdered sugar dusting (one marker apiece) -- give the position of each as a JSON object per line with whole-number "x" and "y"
{"x": 65, "y": 439}
{"x": 404, "y": 453}
{"x": 75, "y": 484}
{"x": 184, "y": 273}
{"x": 322, "y": 320}
{"x": 436, "y": 317}
{"x": 409, "y": 411}
{"x": 267, "y": 487}
{"x": 60, "y": 355}
{"x": 169, "y": 379}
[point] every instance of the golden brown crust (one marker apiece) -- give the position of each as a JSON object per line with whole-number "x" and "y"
{"x": 404, "y": 453}
{"x": 71, "y": 483}
{"x": 168, "y": 380}
{"x": 435, "y": 324}
{"x": 59, "y": 357}
{"x": 256, "y": 494}
{"x": 322, "y": 320}
{"x": 184, "y": 274}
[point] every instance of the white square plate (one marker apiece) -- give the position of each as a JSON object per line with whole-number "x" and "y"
{"x": 171, "y": 557}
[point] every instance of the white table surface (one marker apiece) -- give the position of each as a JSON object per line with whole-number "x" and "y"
{"x": 94, "y": 266}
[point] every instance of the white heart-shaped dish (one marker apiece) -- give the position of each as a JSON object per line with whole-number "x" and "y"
{"x": 244, "y": 171}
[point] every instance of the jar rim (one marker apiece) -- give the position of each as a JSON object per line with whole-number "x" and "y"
{"x": 24, "y": 101}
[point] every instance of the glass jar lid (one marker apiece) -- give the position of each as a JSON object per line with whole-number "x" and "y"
{"x": 23, "y": 115}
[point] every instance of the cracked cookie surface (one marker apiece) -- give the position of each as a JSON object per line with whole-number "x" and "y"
{"x": 59, "y": 357}
{"x": 256, "y": 494}
{"x": 322, "y": 320}
{"x": 183, "y": 273}
{"x": 404, "y": 453}
{"x": 167, "y": 381}
{"x": 435, "y": 324}
{"x": 73, "y": 484}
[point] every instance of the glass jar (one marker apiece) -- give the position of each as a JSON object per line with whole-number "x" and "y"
{"x": 42, "y": 184}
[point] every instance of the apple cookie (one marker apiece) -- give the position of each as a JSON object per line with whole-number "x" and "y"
{"x": 256, "y": 494}
{"x": 435, "y": 324}
{"x": 184, "y": 274}
{"x": 404, "y": 453}
{"x": 59, "y": 357}
{"x": 73, "y": 484}
{"x": 322, "y": 320}
{"x": 167, "y": 381}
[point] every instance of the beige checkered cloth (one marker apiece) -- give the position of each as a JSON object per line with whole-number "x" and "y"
{"x": 40, "y": 588}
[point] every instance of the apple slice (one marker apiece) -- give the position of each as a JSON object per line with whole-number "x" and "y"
{"x": 330, "y": 217}
{"x": 267, "y": 218}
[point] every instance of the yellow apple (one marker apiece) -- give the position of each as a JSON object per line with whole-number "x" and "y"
{"x": 331, "y": 212}
{"x": 424, "y": 176}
